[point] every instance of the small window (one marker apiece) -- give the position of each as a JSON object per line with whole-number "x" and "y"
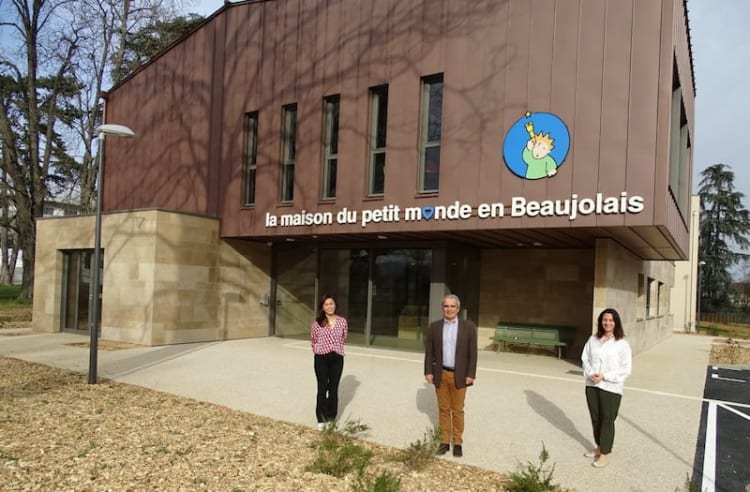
{"x": 661, "y": 299}
{"x": 288, "y": 151}
{"x": 330, "y": 145}
{"x": 651, "y": 298}
{"x": 378, "y": 127}
{"x": 641, "y": 296}
{"x": 430, "y": 132}
{"x": 251, "y": 155}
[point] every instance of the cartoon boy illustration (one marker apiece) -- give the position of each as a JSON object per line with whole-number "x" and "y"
{"x": 536, "y": 154}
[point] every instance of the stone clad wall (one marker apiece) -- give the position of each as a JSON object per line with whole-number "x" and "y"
{"x": 621, "y": 283}
{"x": 168, "y": 278}
{"x": 52, "y": 236}
{"x": 537, "y": 286}
{"x": 571, "y": 287}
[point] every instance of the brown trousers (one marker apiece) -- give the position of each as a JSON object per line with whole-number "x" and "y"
{"x": 451, "y": 409}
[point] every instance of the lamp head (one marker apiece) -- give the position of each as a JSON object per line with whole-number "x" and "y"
{"x": 113, "y": 129}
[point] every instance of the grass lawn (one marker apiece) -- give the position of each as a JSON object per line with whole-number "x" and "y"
{"x": 725, "y": 330}
{"x": 11, "y": 309}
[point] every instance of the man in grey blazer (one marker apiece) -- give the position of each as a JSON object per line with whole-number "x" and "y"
{"x": 450, "y": 363}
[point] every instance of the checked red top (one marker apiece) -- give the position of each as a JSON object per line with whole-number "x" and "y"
{"x": 327, "y": 339}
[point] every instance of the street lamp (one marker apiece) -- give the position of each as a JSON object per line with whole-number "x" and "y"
{"x": 118, "y": 131}
{"x": 698, "y": 301}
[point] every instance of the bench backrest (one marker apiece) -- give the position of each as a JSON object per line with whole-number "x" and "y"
{"x": 538, "y": 331}
{"x": 515, "y": 331}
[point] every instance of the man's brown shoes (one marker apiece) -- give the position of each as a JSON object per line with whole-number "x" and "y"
{"x": 443, "y": 448}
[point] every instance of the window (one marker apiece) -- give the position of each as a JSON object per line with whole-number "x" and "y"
{"x": 251, "y": 155}
{"x": 330, "y": 145}
{"x": 378, "y": 125}
{"x": 651, "y": 298}
{"x": 641, "y": 306}
{"x": 660, "y": 299}
{"x": 680, "y": 145}
{"x": 288, "y": 151}
{"x": 431, "y": 126}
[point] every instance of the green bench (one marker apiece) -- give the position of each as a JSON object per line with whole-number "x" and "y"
{"x": 534, "y": 334}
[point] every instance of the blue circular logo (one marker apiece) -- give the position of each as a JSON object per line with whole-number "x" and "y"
{"x": 536, "y": 145}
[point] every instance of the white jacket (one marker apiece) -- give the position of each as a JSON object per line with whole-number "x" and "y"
{"x": 612, "y": 358}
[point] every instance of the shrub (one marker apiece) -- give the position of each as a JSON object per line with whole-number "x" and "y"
{"x": 338, "y": 453}
{"x": 533, "y": 478}
{"x": 419, "y": 453}
{"x": 385, "y": 482}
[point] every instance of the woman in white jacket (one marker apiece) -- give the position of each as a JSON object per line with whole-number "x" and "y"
{"x": 607, "y": 361}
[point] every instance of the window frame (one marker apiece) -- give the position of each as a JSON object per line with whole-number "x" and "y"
{"x": 288, "y": 152}
{"x": 250, "y": 158}
{"x": 331, "y": 119}
{"x": 426, "y": 144}
{"x": 378, "y": 122}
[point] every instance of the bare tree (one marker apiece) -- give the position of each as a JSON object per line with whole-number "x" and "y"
{"x": 34, "y": 94}
{"x": 63, "y": 52}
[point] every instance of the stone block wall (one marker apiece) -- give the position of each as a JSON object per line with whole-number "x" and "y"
{"x": 537, "y": 286}
{"x": 168, "y": 278}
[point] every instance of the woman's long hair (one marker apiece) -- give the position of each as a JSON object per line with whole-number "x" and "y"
{"x": 321, "y": 317}
{"x": 618, "y": 332}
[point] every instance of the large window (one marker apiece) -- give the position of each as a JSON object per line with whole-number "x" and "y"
{"x": 330, "y": 145}
{"x": 430, "y": 131}
{"x": 680, "y": 145}
{"x": 378, "y": 125}
{"x": 251, "y": 156}
{"x": 288, "y": 151}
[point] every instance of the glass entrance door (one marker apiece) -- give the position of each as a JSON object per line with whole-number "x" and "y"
{"x": 400, "y": 297}
{"x": 384, "y": 293}
{"x": 76, "y": 298}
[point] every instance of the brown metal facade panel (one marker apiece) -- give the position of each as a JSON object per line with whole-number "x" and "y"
{"x": 458, "y": 160}
{"x": 675, "y": 49}
{"x": 516, "y": 104}
{"x": 487, "y": 59}
{"x": 597, "y": 65}
{"x": 563, "y": 98}
{"x": 167, "y": 105}
{"x": 613, "y": 137}
{"x": 539, "y": 90}
{"x": 682, "y": 50}
{"x": 584, "y": 159}
{"x": 351, "y": 164}
{"x": 642, "y": 169}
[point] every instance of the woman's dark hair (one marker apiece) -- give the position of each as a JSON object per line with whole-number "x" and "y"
{"x": 321, "y": 317}
{"x": 618, "y": 332}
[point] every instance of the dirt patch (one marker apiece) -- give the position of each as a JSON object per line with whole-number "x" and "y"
{"x": 107, "y": 345}
{"x": 730, "y": 352}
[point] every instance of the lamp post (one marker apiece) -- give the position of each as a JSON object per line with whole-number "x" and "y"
{"x": 118, "y": 131}
{"x": 698, "y": 301}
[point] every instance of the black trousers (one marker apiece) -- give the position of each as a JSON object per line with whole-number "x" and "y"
{"x": 603, "y": 408}
{"x": 328, "y": 369}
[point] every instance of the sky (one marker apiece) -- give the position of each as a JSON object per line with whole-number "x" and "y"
{"x": 720, "y": 37}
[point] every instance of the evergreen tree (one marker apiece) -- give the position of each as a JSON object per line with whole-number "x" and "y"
{"x": 724, "y": 226}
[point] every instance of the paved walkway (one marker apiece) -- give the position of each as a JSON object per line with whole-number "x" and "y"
{"x": 518, "y": 402}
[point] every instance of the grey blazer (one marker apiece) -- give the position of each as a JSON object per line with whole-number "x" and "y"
{"x": 466, "y": 352}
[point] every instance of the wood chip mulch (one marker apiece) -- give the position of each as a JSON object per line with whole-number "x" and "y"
{"x": 59, "y": 433}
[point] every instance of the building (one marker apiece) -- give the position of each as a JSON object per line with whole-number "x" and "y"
{"x": 533, "y": 158}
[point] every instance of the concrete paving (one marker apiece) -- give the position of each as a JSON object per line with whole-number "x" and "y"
{"x": 519, "y": 402}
